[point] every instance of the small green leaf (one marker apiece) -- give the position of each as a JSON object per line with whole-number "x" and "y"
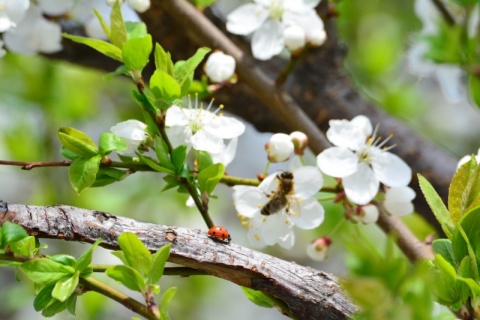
{"x": 204, "y": 160}
{"x": 120, "y": 255}
{"x": 101, "y": 46}
{"x": 103, "y": 23}
{"x": 163, "y": 60}
{"x": 172, "y": 182}
{"x": 65, "y": 287}
{"x": 65, "y": 259}
{"x": 437, "y": 206}
{"x": 445, "y": 249}
{"x": 25, "y": 247}
{"x": 464, "y": 192}
{"x": 12, "y": 232}
{"x": 77, "y": 142}
{"x": 136, "y": 253}
{"x": 106, "y": 176}
{"x": 202, "y": 4}
{"x": 72, "y": 303}
{"x": 165, "y": 302}
{"x": 474, "y": 89}
{"x": 209, "y": 177}
{"x": 118, "y": 33}
{"x": 146, "y": 103}
{"x": 127, "y": 276}
{"x": 111, "y": 142}
{"x": 154, "y": 165}
{"x": 44, "y": 271}
{"x": 258, "y": 297}
{"x": 161, "y": 150}
{"x": 159, "y": 259}
{"x": 83, "y": 171}
{"x": 163, "y": 86}
{"x": 470, "y": 250}
{"x": 445, "y": 284}
{"x": 55, "y": 307}
{"x": 86, "y": 258}
{"x": 44, "y": 298}
{"x": 183, "y": 70}
{"x": 136, "y": 29}
{"x": 68, "y": 154}
{"x": 178, "y": 157}
{"x": 136, "y": 52}
{"x": 121, "y": 70}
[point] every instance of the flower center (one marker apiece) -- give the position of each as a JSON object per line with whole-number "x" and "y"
{"x": 372, "y": 146}
{"x": 276, "y": 9}
{"x": 200, "y": 117}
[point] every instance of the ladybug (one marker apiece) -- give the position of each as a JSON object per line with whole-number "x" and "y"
{"x": 219, "y": 233}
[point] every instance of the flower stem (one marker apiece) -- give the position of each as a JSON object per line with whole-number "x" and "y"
{"x": 337, "y": 227}
{"x": 295, "y": 58}
{"x": 265, "y": 170}
{"x": 233, "y": 181}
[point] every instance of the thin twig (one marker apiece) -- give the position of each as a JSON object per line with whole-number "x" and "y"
{"x": 446, "y": 14}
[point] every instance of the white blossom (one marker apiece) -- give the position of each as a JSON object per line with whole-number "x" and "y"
{"x": 359, "y": 159}
{"x": 318, "y": 249}
{"x": 467, "y": 158}
{"x": 201, "y": 129}
{"x": 294, "y": 37}
{"x": 301, "y": 210}
{"x": 300, "y": 142}
{"x": 55, "y": 7}
{"x": 219, "y": 67}
{"x": 12, "y": 12}
{"x": 368, "y": 214}
{"x": 133, "y": 132}
{"x": 279, "y": 148}
{"x": 398, "y": 201}
{"x": 137, "y": 5}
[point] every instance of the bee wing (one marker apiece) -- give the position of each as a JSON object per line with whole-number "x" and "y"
{"x": 293, "y": 206}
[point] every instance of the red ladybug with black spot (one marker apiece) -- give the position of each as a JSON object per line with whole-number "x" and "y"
{"x": 219, "y": 234}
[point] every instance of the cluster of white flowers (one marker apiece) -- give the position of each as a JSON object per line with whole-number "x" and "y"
{"x": 277, "y": 24}
{"x": 29, "y": 27}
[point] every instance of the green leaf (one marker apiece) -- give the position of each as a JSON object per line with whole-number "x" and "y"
{"x": 118, "y": 33}
{"x": 136, "y": 29}
{"x": 110, "y": 142}
{"x": 159, "y": 259}
{"x": 136, "y": 52}
{"x": 155, "y": 166}
{"x": 161, "y": 150}
{"x": 209, "y": 177}
{"x": 65, "y": 259}
{"x": 120, "y": 255}
{"x": 466, "y": 239}
{"x": 106, "y": 176}
{"x": 103, "y": 23}
{"x": 127, "y": 276}
{"x": 55, "y": 307}
{"x": 474, "y": 89}
{"x": 464, "y": 192}
{"x": 65, "y": 287}
{"x": 77, "y": 142}
{"x": 136, "y": 253}
{"x": 437, "y": 206}
{"x": 101, "y": 46}
{"x": 171, "y": 182}
{"x": 258, "y": 297}
{"x": 445, "y": 46}
{"x": 44, "y": 271}
{"x": 68, "y": 154}
{"x": 202, "y": 4}
{"x": 165, "y": 302}
{"x": 25, "y": 247}
{"x": 121, "y": 70}
{"x": 204, "y": 160}
{"x": 86, "y": 258}
{"x": 445, "y": 249}
{"x": 145, "y": 102}
{"x": 12, "y": 232}
{"x": 163, "y": 60}
{"x": 183, "y": 70}
{"x": 72, "y": 303}
{"x": 163, "y": 86}
{"x": 83, "y": 171}
{"x": 44, "y": 298}
{"x": 470, "y": 250}
{"x": 445, "y": 284}
{"x": 178, "y": 157}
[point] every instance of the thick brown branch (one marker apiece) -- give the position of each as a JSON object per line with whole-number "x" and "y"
{"x": 309, "y": 293}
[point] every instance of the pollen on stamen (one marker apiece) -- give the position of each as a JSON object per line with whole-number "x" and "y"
{"x": 257, "y": 237}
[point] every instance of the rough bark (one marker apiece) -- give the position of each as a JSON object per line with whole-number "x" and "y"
{"x": 308, "y": 293}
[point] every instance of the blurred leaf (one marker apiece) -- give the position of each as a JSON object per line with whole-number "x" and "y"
{"x": 165, "y": 303}
{"x": 65, "y": 259}
{"x": 136, "y": 253}
{"x": 118, "y": 33}
{"x": 209, "y": 177}
{"x": 72, "y": 303}
{"x": 86, "y": 258}
{"x": 65, "y": 287}
{"x": 106, "y": 176}
{"x": 445, "y": 249}
{"x": 159, "y": 259}
{"x": 127, "y": 276}
{"x": 445, "y": 286}
{"x": 44, "y": 298}
{"x": 55, "y": 307}
{"x": 103, "y": 23}
{"x": 161, "y": 150}
{"x": 111, "y": 142}
{"x": 446, "y": 45}
{"x": 77, "y": 142}
{"x": 145, "y": 102}
{"x": 163, "y": 60}
{"x": 68, "y": 154}
{"x": 474, "y": 89}
{"x": 25, "y": 247}
{"x": 204, "y": 160}
{"x": 163, "y": 86}
{"x": 437, "y": 206}
{"x": 101, "y": 46}
{"x": 12, "y": 232}
{"x": 44, "y": 271}
{"x": 178, "y": 157}
{"x": 154, "y": 165}
{"x": 202, "y": 4}
{"x": 183, "y": 70}
{"x": 83, "y": 171}
{"x": 121, "y": 70}
{"x": 136, "y": 29}
{"x": 259, "y": 298}
{"x": 136, "y": 52}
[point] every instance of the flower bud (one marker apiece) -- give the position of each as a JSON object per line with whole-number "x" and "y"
{"x": 467, "y": 159}
{"x": 318, "y": 249}
{"x": 368, "y": 214}
{"x": 279, "y": 148}
{"x": 132, "y": 132}
{"x": 398, "y": 200}
{"x": 317, "y": 37}
{"x": 219, "y": 67}
{"x": 294, "y": 37}
{"x": 139, "y": 5}
{"x": 300, "y": 142}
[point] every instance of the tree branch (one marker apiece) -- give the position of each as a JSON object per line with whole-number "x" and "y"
{"x": 309, "y": 293}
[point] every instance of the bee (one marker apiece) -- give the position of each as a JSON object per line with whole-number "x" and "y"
{"x": 281, "y": 198}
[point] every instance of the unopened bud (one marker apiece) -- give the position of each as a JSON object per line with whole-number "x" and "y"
{"x": 219, "y": 67}
{"x": 279, "y": 148}
{"x": 318, "y": 249}
{"x": 139, "y": 5}
{"x": 317, "y": 37}
{"x": 294, "y": 38}
{"x": 300, "y": 142}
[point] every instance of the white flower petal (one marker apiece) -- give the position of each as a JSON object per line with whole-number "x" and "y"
{"x": 274, "y": 227}
{"x": 361, "y": 186}
{"x": 227, "y": 155}
{"x": 267, "y": 41}
{"x": 246, "y": 19}
{"x": 450, "y": 79}
{"x": 364, "y": 124}
{"x": 176, "y": 116}
{"x": 219, "y": 66}
{"x": 255, "y": 238}
{"x": 311, "y": 214}
{"x": 269, "y": 184}
{"x": 279, "y": 148}
{"x": 337, "y": 162}
{"x": 225, "y": 127}
{"x": 249, "y": 202}
{"x": 344, "y": 133}
{"x": 370, "y": 214}
{"x": 308, "y": 181}
{"x": 55, "y": 7}
{"x": 288, "y": 241}
{"x": 205, "y": 141}
{"x": 179, "y": 135}
{"x": 391, "y": 170}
